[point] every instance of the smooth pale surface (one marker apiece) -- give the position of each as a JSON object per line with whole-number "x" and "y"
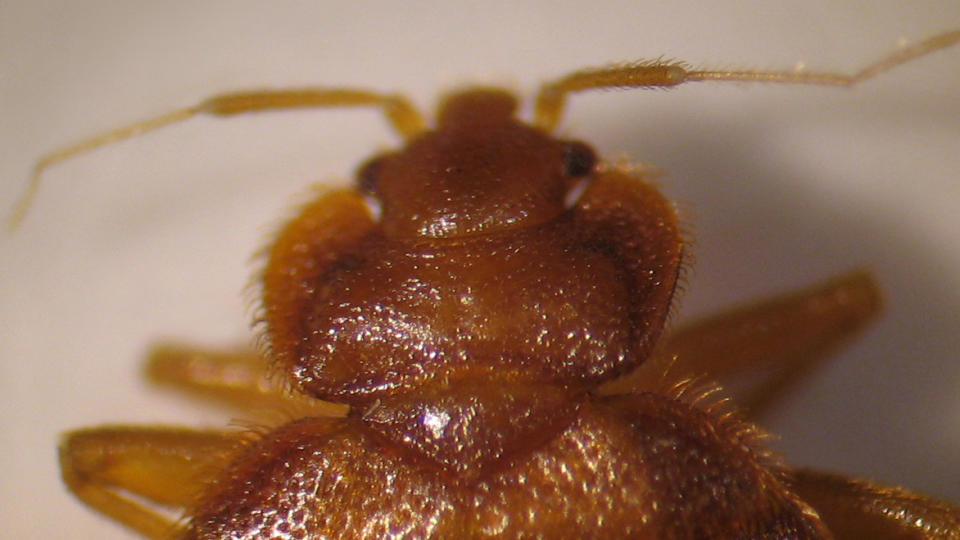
{"x": 783, "y": 186}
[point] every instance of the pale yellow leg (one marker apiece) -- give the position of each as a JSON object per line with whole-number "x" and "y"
{"x": 237, "y": 378}
{"x": 780, "y": 338}
{"x": 855, "y": 509}
{"x": 110, "y": 469}
{"x": 552, "y": 97}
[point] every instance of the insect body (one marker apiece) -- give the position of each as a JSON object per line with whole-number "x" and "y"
{"x": 494, "y": 345}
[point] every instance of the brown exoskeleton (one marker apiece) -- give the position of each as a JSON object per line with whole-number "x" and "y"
{"x": 493, "y": 345}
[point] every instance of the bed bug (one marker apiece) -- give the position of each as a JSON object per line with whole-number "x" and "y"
{"x": 484, "y": 357}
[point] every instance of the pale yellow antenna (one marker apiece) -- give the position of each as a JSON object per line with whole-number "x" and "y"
{"x": 86, "y": 145}
{"x": 552, "y": 98}
{"x": 401, "y": 115}
{"x": 407, "y": 121}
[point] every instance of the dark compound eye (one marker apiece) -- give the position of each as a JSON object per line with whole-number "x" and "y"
{"x": 578, "y": 159}
{"x": 368, "y": 174}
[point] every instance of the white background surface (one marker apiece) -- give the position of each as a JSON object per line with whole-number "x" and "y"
{"x": 786, "y": 185}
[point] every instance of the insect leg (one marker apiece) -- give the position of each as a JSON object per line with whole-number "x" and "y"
{"x": 552, "y": 97}
{"x": 782, "y": 338}
{"x": 112, "y": 469}
{"x": 855, "y": 508}
{"x": 236, "y": 378}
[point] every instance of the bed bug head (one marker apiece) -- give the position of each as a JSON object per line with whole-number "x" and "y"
{"x": 480, "y": 171}
{"x": 477, "y": 272}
